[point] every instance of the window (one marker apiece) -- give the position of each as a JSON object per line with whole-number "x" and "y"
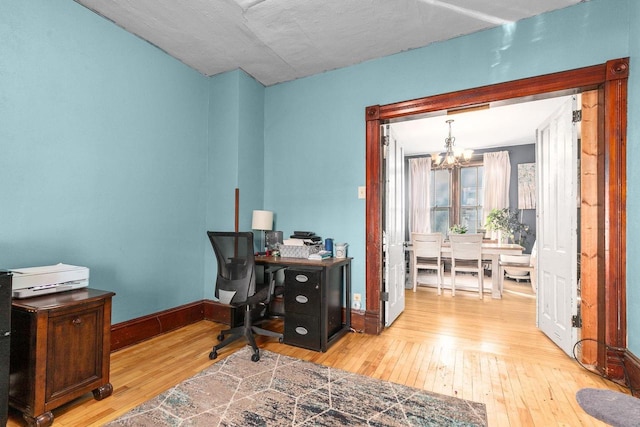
{"x": 456, "y": 196}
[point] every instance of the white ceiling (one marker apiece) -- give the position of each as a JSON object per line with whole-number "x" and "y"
{"x": 497, "y": 126}
{"x": 281, "y": 40}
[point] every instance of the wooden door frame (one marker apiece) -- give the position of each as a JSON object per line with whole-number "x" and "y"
{"x": 610, "y": 79}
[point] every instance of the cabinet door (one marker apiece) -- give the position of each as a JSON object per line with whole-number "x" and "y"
{"x": 74, "y": 356}
{"x": 303, "y": 331}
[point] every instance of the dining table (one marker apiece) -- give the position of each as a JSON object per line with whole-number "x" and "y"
{"x": 491, "y": 251}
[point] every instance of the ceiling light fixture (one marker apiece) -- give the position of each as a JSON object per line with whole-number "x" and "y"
{"x": 452, "y": 156}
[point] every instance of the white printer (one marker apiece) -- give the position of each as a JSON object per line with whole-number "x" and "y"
{"x": 35, "y": 281}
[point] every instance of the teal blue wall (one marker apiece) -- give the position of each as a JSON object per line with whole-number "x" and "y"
{"x": 235, "y": 157}
{"x": 119, "y": 157}
{"x": 315, "y": 127}
{"x": 104, "y": 155}
{"x": 633, "y": 184}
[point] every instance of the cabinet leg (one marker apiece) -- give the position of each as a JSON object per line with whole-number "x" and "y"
{"x": 42, "y": 420}
{"x": 102, "y": 391}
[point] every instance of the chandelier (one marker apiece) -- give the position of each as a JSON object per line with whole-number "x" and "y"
{"x": 452, "y": 156}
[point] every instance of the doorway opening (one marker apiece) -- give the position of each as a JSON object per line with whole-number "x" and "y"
{"x": 453, "y": 196}
{"x": 605, "y": 229}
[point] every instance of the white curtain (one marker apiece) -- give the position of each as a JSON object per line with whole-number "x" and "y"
{"x": 420, "y": 168}
{"x": 496, "y": 178}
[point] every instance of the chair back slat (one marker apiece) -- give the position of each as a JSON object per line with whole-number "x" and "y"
{"x": 426, "y": 245}
{"x": 466, "y": 246}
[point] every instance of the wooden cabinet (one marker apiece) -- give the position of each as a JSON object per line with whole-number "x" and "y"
{"x": 5, "y": 338}
{"x": 60, "y": 350}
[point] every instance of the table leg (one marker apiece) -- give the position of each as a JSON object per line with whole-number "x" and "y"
{"x": 495, "y": 280}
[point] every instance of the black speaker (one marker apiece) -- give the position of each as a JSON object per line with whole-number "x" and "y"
{"x": 5, "y": 336}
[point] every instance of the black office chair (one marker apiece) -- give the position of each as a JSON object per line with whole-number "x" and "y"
{"x": 236, "y": 286}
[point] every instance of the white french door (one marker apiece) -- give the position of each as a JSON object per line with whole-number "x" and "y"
{"x": 393, "y": 233}
{"x": 557, "y": 154}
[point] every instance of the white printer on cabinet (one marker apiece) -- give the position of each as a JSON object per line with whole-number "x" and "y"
{"x": 35, "y": 281}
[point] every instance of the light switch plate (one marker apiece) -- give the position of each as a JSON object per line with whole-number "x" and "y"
{"x": 362, "y": 192}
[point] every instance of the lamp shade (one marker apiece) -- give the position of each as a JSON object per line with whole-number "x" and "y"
{"x": 262, "y": 220}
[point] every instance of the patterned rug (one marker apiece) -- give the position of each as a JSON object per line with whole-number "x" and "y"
{"x": 283, "y": 391}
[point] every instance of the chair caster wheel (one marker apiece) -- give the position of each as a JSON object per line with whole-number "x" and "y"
{"x": 220, "y": 336}
{"x": 255, "y": 357}
{"x": 213, "y": 355}
{"x": 280, "y": 340}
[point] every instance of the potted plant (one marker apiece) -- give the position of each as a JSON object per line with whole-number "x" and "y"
{"x": 498, "y": 221}
{"x": 458, "y": 229}
{"x": 506, "y": 223}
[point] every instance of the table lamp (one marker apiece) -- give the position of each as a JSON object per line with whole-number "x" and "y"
{"x": 263, "y": 221}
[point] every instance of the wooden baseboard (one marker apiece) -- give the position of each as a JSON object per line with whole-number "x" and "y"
{"x": 632, "y": 366}
{"x": 143, "y": 328}
{"x": 357, "y": 320}
{"x": 372, "y": 323}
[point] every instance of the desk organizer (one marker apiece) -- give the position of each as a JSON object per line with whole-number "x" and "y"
{"x": 290, "y": 251}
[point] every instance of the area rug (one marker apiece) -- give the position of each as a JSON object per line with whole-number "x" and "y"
{"x": 283, "y": 391}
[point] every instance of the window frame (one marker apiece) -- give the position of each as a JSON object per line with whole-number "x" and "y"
{"x": 455, "y": 190}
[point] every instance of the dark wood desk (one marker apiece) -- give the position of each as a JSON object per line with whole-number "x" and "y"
{"x": 60, "y": 348}
{"x": 314, "y": 294}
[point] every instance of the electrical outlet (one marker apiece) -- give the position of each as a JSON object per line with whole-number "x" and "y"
{"x": 357, "y": 297}
{"x": 362, "y": 192}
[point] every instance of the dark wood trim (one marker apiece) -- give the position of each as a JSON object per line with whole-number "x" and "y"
{"x": 611, "y": 79}
{"x": 143, "y": 328}
{"x": 357, "y": 320}
{"x": 217, "y": 312}
{"x": 583, "y": 78}
{"x": 373, "y": 317}
{"x": 615, "y": 125}
{"x": 237, "y": 210}
{"x": 632, "y": 365}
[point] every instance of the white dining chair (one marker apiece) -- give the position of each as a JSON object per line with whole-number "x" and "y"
{"x": 426, "y": 253}
{"x": 466, "y": 255}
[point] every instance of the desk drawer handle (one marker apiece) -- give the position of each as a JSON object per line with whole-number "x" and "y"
{"x": 302, "y": 278}
{"x": 302, "y": 299}
{"x": 77, "y": 321}
{"x": 301, "y": 331}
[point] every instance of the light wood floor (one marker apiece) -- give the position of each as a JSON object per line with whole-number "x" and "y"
{"x": 487, "y": 351}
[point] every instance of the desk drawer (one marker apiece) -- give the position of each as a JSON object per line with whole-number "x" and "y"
{"x": 302, "y": 292}
{"x": 302, "y": 331}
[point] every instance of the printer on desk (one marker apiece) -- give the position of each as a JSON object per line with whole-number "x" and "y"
{"x": 36, "y": 281}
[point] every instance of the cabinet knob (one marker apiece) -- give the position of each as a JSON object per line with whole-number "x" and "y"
{"x": 77, "y": 321}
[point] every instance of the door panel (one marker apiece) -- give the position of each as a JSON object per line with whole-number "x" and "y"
{"x": 557, "y": 226}
{"x": 393, "y": 234}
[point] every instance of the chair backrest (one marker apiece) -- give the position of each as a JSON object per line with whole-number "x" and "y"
{"x": 466, "y": 246}
{"x": 534, "y": 254}
{"x": 236, "y": 278}
{"x": 426, "y": 245}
